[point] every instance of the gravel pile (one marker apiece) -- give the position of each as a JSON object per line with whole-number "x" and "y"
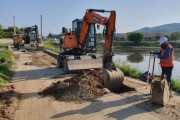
{"x": 86, "y": 86}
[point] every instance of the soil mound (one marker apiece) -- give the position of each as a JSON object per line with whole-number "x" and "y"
{"x": 9, "y": 100}
{"x": 86, "y": 86}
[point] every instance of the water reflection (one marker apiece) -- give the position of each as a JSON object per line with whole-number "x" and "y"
{"x": 139, "y": 58}
{"x": 135, "y": 58}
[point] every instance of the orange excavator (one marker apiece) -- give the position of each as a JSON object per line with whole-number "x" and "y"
{"x": 78, "y": 47}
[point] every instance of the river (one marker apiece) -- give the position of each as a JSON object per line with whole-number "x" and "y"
{"x": 139, "y": 59}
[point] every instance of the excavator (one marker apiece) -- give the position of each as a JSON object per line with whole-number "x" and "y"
{"x": 29, "y": 40}
{"x": 78, "y": 47}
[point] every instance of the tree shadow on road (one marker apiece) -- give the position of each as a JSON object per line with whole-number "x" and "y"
{"x": 133, "y": 107}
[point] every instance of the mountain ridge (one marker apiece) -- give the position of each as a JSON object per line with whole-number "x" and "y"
{"x": 163, "y": 29}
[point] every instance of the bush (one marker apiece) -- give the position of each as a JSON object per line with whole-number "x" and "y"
{"x": 5, "y": 66}
{"x": 52, "y": 46}
{"x": 135, "y": 37}
{"x": 176, "y": 85}
{"x": 129, "y": 71}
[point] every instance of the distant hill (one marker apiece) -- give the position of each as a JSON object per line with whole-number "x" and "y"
{"x": 163, "y": 29}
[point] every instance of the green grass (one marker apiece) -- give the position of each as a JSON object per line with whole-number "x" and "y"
{"x": 176, "y": 85}
{"x": 52, "y": 46}
{"x": 129, "y": 71}
{"x": 5, "y": 66}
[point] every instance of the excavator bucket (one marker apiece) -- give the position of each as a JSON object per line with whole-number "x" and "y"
{"x": 160, "y": 93}
{"x": 72, "y": 63}
{"x": 113, "y": 79}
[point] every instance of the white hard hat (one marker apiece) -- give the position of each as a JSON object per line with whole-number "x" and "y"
{"x": 162, "y": 40}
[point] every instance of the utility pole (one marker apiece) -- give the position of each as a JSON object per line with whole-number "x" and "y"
{"x": 14, "y": 25}
{"x": 41, "y": 26}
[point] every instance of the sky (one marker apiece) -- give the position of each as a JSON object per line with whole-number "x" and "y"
{"x": 130, "y": 14}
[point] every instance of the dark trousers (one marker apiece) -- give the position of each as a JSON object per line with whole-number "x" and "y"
{"x": 168, "y": 72}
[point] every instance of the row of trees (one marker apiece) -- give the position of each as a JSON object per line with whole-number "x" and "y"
{"x": 8, "y": 32}
{"x": 174, "y": 36}
{"x": 138, "y": 37}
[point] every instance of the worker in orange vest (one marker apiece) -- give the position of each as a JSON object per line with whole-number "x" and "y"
{"x": 166, "y": 56}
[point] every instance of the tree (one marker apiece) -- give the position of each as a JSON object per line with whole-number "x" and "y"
{"x": 1, "y": 32}
{"x": 60, "y": 35}
{"x": 175, "y": 36}
{"x": 168, "y": 36}
{"x": 135, "y": 37}
{"x": 50, "y": 35}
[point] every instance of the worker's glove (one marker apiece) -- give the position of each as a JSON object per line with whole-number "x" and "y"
{"x": 155, "y": 56}
{"x": 151, "y": 52}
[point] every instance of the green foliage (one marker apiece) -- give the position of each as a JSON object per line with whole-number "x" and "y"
{"x": 129, "y": 71}
{"x": 8, "y": 33}
{"x": 135, "y": 37}
{"x": 144, "y": 43}
{"x": 61, "y": 35}
{"x": 5, "y": 66}
{"x": 117, "y": 38}
{"x": 52, "y": 46}
{"x": 100, "y": 36}
{"x": 50, "y": 35}
{"x": 175, "y": 36}
{"x": 176, "y": 85}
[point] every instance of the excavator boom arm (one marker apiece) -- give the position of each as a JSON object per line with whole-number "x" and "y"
{"x": 91, "y": 17}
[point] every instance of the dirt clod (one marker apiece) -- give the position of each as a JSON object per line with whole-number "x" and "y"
{"x": 9, "y": 100}
{"x": 84, "y": 87}
{"x": 28, "y": 63}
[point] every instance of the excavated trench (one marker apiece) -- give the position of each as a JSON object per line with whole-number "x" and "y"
{"x": 85, "y": 86}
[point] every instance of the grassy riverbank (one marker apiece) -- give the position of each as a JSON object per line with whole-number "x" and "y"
{"x": 176, "y": 85}
{"x": 53, "y": 46}
{"x": 129, "y": 71}
{"x": 6, "y": 62}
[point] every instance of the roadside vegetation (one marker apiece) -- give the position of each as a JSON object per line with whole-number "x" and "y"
{"x": 6, "y": 62}
{"x": 8, "y": 32}
{"x": 129, "y": 71}
{"x": 176, "y": 85}
{"x": 53, "y": 46}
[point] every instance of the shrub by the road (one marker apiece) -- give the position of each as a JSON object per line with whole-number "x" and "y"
{"x": 5, "y": 66}
{"x": 53, "y": 46}
{"x": 129, "y": 71}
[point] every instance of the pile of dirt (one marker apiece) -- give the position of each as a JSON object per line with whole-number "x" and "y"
{"x": 85, "y": 86}
{"x": 9, "y": 100}
{"x": 41, "y": 59}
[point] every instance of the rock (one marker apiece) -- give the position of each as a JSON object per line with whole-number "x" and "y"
{"x": 62, "y": 85}
{"x": 144, "y": 76}
{"x": 106, "y": 91}
{"x": 99, "y": 86}
{"x": 28, "y": 63}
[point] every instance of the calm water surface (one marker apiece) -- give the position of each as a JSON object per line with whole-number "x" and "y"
{"x": 139, "y": 59}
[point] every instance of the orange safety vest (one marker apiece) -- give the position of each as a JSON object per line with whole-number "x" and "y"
{"x": 169, "y": 61}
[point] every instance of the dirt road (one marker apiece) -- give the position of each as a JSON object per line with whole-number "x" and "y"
{"x": 36, "y": 71}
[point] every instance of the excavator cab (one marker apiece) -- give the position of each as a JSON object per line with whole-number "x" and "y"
{"x": 90, "y": 37}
